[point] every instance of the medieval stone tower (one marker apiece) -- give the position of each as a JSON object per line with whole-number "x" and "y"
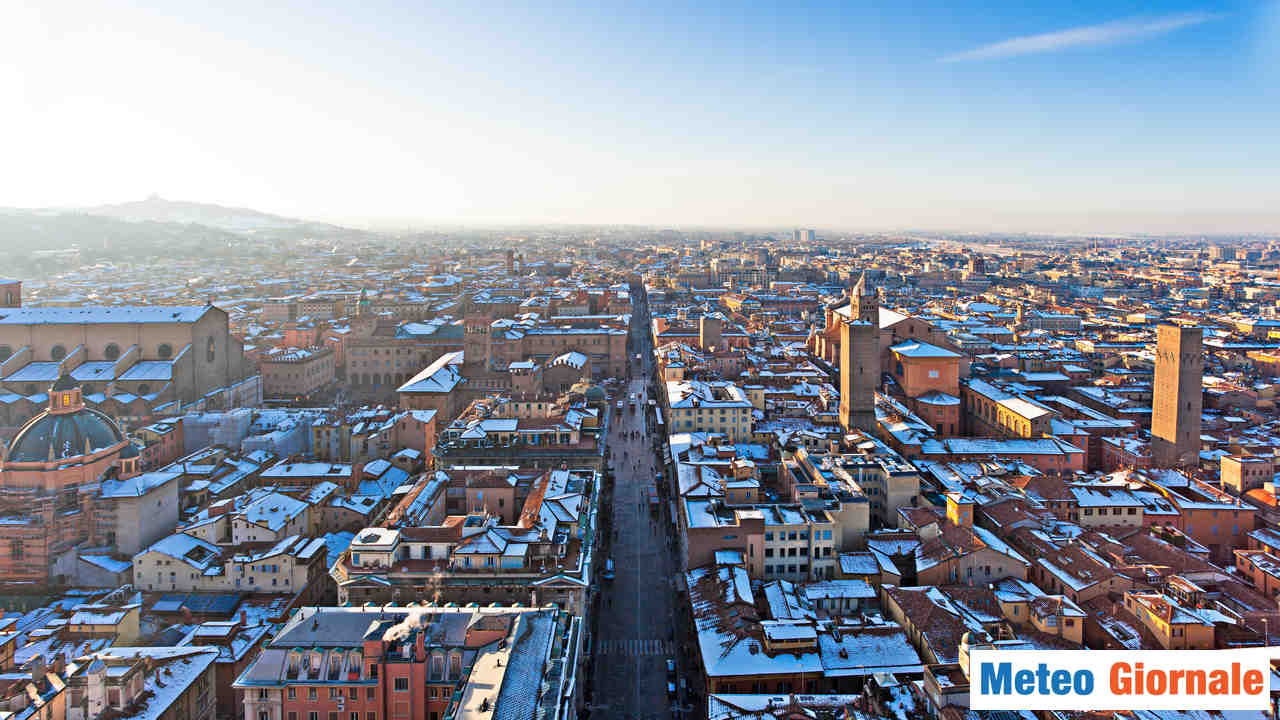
{"x": 1175, "y": 417}
{"x": 860, "y": 358}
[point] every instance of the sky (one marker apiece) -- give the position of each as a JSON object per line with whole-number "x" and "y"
{"x": 1087, "y": 116}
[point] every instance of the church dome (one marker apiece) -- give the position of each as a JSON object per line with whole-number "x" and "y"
{"x": 67, "y": 435}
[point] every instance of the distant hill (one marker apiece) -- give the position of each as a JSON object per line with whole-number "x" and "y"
{"x": 237, "y": 220}
{"x": 150, "y": 227}
{"x": 24, "y": 231}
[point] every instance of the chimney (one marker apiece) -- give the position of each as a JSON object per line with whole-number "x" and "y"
{"x": 244, "y": 618}
{"x": 59, "y": 665}
{"x": 420, "y": 644}
{"x": 36, "y": 664}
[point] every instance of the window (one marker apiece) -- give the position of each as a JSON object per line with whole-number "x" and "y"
{"x": 368, "y": 692}
{"x": 293, "y": 693}
{"x": 165, "y": 351}
{"x": 313, "y": 716}
{"x": 209, "y": 355}
{"x": 5, "y": 352}
{"x": 264, "y": 715}
{"x": 402, "y": 684}
{"x": 311, "y": 695}
{"x": 111, "y": 352}
{"x": 354, "y": 694}
{"x": 333, "y": 693}
{"x": 293, "y": 716}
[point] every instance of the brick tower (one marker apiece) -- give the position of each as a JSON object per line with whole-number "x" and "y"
{"x": 860, "y": 358}
{"x": 1175, "y": 417}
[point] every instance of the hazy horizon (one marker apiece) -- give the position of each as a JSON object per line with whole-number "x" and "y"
{"x": 1095, "y": 118}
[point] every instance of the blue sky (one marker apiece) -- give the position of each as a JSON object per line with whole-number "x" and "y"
{"x": 1080, "y": 117}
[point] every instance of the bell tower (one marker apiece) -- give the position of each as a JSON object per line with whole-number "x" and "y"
{"x": 860, "y": 359}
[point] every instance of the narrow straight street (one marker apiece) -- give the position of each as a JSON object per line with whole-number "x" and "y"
{"x": 636, "y": 633}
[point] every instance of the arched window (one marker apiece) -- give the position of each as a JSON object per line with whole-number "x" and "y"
{"x": 144, "y": 389}
{"x": 58, "y": 352}
{"x": 111, "y": 352}
{"x": 165, "y": 351}
{"x": 209, "y": 354}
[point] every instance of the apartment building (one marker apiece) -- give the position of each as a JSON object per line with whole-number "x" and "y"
{"x": 709, "y": 407}
{"x": 990, "y": 410}
{"x": 387, "y": 662}
{"x": 493, "y": 343}
{"x": 538, "y": 433}
{"x": 185, "y": 563}
{"x": 888, "y": 482}
{"x": 775, "y": 541}
{"x": 296, "y": 372}
{"x": 545, "y": 555}
{"x": 143, "y": 683}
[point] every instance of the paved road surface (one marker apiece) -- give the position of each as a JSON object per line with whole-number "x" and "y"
{"x": 636, "y": 632}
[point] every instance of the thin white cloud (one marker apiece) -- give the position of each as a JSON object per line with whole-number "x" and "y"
{"x": 1110, "y": 33}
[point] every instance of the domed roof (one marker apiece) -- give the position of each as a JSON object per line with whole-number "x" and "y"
{"x": 129, "y": 451}
{"x": 65, "y": 433}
